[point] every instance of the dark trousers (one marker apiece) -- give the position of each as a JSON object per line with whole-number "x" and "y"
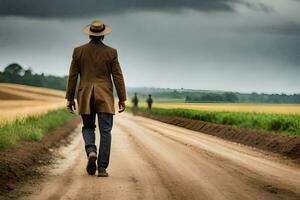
{"x": 105, "y": 123}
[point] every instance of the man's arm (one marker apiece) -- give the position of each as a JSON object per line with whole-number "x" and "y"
{"x": 119, "y": 81}
{"x": 72, "y": 82}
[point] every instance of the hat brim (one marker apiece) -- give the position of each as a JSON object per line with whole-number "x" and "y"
{"x": 106, "y": 31}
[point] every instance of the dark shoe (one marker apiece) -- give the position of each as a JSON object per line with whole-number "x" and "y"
{"x": 91, "y": 165}
{"x": 102, "y": 173}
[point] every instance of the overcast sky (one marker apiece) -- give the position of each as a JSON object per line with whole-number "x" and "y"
{"x": 233, "y": 45}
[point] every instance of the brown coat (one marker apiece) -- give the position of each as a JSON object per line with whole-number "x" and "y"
{"x": 97, "y": 65}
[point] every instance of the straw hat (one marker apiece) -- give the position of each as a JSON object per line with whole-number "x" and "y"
{"x": 97, "y": 28}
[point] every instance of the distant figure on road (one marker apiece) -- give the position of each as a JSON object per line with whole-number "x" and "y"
{"x": 135, "y": 103}
{"x": 149, "y": 102}
{"x": 97, "y": 66}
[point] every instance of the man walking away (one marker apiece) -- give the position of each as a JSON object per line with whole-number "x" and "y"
{"x": 149, "y": 102}
{"x": 97, "y": 66}
{"x": 135, "y": 102}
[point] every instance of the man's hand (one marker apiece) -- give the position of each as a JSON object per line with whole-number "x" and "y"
{"x": 121, "y": 106}
{"x": 71, "y": 106}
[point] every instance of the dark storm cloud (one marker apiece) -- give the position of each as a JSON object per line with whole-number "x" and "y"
{"x": 234, "y": 45}
{"x": 78, "y": 8}
{"x": 257, "y": 6}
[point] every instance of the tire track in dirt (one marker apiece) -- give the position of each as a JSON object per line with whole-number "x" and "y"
{"x": 190, "y": 140}
{"x": 249, "y": 176}
{"x": 147, "y": 177}
{"x": 184, "y": 183}
{"x": 149, "y": 159}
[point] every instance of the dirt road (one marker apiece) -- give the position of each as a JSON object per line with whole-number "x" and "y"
{"x": 153, "y": 160}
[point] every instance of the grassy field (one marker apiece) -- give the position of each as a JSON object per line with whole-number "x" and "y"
{"x": 27, "y": 112}
{"x": 19, "y": 101}
{"x": 232, "y": 107}
{"x": 287, "y": 124}
{"x": 31, "y": 128}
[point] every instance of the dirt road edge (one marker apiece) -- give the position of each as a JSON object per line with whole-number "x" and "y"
{"x": 288, "y": 146}
{"x": 20, "y": 163}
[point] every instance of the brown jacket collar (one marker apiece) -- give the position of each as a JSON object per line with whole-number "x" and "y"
{"x": 95, "y": 41}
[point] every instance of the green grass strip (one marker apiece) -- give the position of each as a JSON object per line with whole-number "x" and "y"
{"x": 31, "y": 128}
{"x": 278, "y": 123}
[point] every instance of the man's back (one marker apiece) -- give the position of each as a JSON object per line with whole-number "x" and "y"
{"x": 96, "y": 63}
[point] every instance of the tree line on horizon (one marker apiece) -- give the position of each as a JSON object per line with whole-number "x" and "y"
{"x": 231, "y": 97}
{"x": 14, "y": 73}
{"x": 206, "y": 96}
